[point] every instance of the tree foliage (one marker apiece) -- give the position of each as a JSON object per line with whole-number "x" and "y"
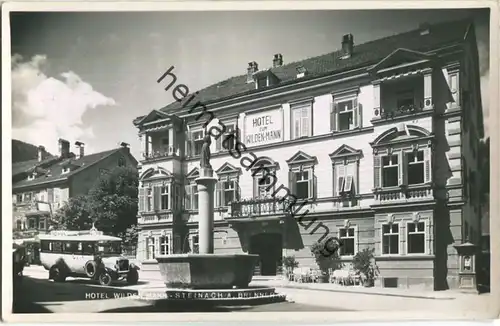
{"x": 111, "y": 204}
{"x": 326, "y": 253}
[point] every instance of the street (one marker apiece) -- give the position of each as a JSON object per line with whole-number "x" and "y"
{"x": 37, "y": 294}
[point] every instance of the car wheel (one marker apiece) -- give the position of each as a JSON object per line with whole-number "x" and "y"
{"x": 90, "y": 268}
{"x": 105, "y": 279}
{"x": 132, "y": 277}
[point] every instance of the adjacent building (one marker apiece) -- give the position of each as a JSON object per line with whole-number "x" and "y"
{"x": 42, "y": 185}
{"x": 377, "y": 141}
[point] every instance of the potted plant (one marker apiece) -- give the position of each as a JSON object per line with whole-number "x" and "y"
{"x": 326, "y": 255}
{"x": 289, "y": 263}
{"x": 364, "y": 264}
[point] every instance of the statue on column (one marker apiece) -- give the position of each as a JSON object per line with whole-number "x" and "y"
{"x": 205, "y": 153}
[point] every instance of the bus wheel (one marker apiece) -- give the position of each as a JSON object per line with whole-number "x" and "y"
{"x": 57, "y": 275}
{"x": 105, "y": 279}
{"x": 90, "y": 268}
{"x": 132, "y": 277}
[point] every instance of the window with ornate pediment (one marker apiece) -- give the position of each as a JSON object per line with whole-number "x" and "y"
{"x": 194, "y": 142}
{"x": 264, "y": 177}
{"x": 302, "y": 179}
{"x": 345, "y": 164}
{"x": 227, "y": 188}
{"x": 402, "y": 157}
{"x": 227, "y": 140}
{"x": 191, "y": 190}
{"x": 158, "y": 191}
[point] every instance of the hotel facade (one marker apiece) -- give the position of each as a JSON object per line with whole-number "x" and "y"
{"x": 379, "y": 140}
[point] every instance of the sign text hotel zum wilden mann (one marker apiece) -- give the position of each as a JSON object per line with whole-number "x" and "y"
{"x": 264, "y": 128}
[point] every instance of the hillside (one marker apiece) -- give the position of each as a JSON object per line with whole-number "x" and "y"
{"x": 22, "y": 151}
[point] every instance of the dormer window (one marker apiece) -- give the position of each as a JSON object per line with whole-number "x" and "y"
{"x": 301, "y": 72}
{"x": 32, "y": 176}
{"x": 65, "y": 170}
{"x": 262, "y": 82}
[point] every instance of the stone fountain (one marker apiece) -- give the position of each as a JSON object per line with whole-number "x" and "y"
{"x": 209, "y": 277}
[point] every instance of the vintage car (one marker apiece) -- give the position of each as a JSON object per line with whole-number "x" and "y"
{"x": 89, "y": 254}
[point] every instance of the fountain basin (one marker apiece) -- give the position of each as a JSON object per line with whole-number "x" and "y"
{"x": 207, "y": 271}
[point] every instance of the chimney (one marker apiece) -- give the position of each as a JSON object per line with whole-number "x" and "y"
{"x": 81, "y": 147}
{"x": 41, "y": 153}
{"x": 424, "y": 28}
{"x": 63, "y": 148}
{"x": 347, "y": 45}
{"x": 124, "y": 144}
{"x": 253, "y": 67}
{"x": 278, "y": 60}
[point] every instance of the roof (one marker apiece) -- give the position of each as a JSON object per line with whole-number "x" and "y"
{"x": 364, "y": 55}
{"x": 26, "y": 166}
{"x": 84, "y": 237}
{"x": 57, "y": 168}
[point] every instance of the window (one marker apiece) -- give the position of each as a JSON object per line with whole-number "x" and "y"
{"x": 150, "y": 248}
{"x": 164, "y": 198}
{"x": 390, "y": 239}
{"x": 345, "y": 179}
{"x": 19, "y": 225}
{"x": 264, "y": 186}
{"x": 28, "y": 197}
{"x": 416, "y": 238}
{"x": 191, "y": 199}
{"x": 194, "y": 245}
{"x": 31, "y": 176}
{"x": 415, "y": 174}
{"x": 121, "y": 161}
{"x": 32, "y": 223}
{"x": 57, "y": 246}
{"x": 65, "y": 170}
{"x": 346, "y": 235}
{"x": 164, "y": 245}
{"x": 50, "y": 195}
{"x": 262, "y": 82}
{"x": 41, "y": 224}
{"x": 390, "y": 171}
{"x": 149, "y": 199}
{"x": 345, "y": 114}
{"x": 19, "y": 198}
{"x": 301, "y": 121}
{"x": 226, "y": 141}
{"x": 88, "y": 248}
{"x": 303, "y": 184}
{"x": 404, "y": 99}
{"x": 226, "y": 192}
{"x": 197, "y": 142}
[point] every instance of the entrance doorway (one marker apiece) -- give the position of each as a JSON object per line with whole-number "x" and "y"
{"x": 269, "y": 248}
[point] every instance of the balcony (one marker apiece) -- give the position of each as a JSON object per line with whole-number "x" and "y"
{"x": 404, "y": 194}
{"x": 157, "y": 155}
{"x": 403, "y": 110}
{"x": 258, "y": 207}
{"x": 156, "y": 217}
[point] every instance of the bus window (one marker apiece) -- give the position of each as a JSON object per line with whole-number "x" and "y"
{"x": 71, "y": 247}
{"x": 44, "y": 245}
{"x": 57, "y": 246}
{"x": 88, "y": 248}
{"x": 80, "y": 247}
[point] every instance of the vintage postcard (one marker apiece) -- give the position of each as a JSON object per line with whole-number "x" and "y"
{"x": 272, "y": 160}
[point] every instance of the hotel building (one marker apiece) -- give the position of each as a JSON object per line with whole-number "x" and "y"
{"x": 380, "y": 139}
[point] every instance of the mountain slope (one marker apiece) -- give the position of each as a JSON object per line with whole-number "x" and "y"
{"x": 22, "y": 151}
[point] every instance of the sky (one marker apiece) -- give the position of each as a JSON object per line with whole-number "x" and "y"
{"x": 86, "y": 76}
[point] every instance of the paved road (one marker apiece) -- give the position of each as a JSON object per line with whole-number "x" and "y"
{"x": 39, "y": 295}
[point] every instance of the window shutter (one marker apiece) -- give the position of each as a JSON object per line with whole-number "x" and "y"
{"x": 189, "y": 143}
{"x": 377, "y": 172}
{"x": 348, "y": 183}
{"x": 340, "y": 179}
{"x": 314, "y": 187}
{"x": 356, "y": 115}
{"x": 50, "y": 195}
{"x": 218, "y": 143}
{"x": 237, "y": 190}
{"x": 428, "y": 165}
{"x": 156, "y": 197}
{"x": 400, "y": 168}
{"x": 405, "y": 168}
{"x": 218, "y": 194}
{"x": 306, "y": 122}
{"x": 292, "y": 180}
{"x": 255, "y": 186}
{"x": 333, "y": 116}
{"x": 141, "y": 200}
{"x": 187, "y": 197}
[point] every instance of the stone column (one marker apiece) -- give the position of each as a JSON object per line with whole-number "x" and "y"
{"x": 206, "y": 187}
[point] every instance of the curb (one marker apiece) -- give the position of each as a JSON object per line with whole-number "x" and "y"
{"x": 413, "y": 296}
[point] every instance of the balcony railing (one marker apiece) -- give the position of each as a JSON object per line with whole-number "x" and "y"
{"x": 400, "y": 111}
{"x": 259, "y": 207}
{"x": 410, "y": 193}
{"x": 170, "y": 151}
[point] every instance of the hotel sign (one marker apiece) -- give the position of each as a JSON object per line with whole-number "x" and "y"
{"x": 264, "y": 128}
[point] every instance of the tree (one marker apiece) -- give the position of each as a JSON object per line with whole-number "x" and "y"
{"x": 113, "y": 201}
{"x": 75, "y": 214}
{"x": 326, "y": 254}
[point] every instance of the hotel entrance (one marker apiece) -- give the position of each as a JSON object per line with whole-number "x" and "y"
{"x": 269, "y": 248}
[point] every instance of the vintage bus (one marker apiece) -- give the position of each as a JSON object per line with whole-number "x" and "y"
{"x": 89, "y": 254}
